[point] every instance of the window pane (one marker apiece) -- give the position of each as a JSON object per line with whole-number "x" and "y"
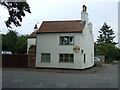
{"x": 61, "y": 40}
{"x": 66, "y": 57}
{"x": 42, "y": 57}
{"x": 45, "y": 57}
{"x": 71, "y": 57}
{"x": 84, "y": 58}
{"x": 66, "y": 40}
{"x": 61, "y": 57}
{"x": 71, "y": 40}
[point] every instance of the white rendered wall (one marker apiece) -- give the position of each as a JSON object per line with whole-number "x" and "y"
{"x": 88, "y": 46}
{"x": 49, "y": 43}
{"x": 88, "y": 41}
{"x": 31, "y": 41}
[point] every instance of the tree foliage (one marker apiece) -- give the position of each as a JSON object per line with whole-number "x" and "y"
{"x": 105, "y": 45}
{"x": 110, "y": 51}
{"x": 9, "y": 40}
{"x": 16, "y": 11}
{"x": 13, "y": 42}
{"x": 106, "y": 35}
{"x": 21, "y": 44}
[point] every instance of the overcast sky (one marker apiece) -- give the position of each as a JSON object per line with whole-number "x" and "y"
{"x": 54, "y": 10}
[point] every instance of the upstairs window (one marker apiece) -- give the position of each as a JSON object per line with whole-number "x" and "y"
{"x": 66, "y": 40}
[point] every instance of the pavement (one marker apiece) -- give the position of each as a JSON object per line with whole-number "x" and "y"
{"x": 91, "y": 70}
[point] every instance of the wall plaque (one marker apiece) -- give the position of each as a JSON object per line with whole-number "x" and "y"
{"x": 76, "y": 49}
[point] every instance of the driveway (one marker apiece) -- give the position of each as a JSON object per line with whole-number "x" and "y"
{"x": 31, "y": 78}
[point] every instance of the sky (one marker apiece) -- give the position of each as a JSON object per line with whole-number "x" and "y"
{"x": 56, "y": 10}
{"x": 119, "y": 24}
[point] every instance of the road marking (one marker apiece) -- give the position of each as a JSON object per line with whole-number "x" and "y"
{"x": 15, "y": 80}
{"x": 83, "y": 86}
{"x": 25, "y": 82}
{"x": 62, "y": 84}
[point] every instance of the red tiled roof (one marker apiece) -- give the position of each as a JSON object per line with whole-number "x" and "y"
{"x": 61, "y": 26}
{"x": 33, "y": 35}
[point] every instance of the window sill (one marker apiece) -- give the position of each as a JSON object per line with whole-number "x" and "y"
{"x": 66, "y": 45}
{"x": 45, "y": 62}
{"x": 66, "y": 62}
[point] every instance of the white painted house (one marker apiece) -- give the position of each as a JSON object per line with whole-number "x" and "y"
{"x": 32, "y": 38}
{"x": 65, "y": 44}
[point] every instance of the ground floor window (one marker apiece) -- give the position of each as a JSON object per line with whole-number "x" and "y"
{"x": 84, "y": 58}
{"x": 66, "y": 58}
{"x": 91, "y": 57}
{"x": 45, "y": 57}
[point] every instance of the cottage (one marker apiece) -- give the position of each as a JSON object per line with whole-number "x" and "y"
{"x": 65, "y": 44}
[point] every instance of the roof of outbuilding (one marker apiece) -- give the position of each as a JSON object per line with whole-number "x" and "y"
{"x": 33, "y": 35}
{"x": 61, "y": 26}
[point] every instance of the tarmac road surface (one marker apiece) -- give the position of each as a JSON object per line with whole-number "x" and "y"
{"x": 105, "y": 78}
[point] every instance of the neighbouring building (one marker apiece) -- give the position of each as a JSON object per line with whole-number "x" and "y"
{"x": 31, "y": 41}
{"x": 65, "y": 44}
{"x": 31, "y": 48}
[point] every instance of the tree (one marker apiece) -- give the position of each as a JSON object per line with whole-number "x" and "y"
{"x": 4, "y": 44}
{"x": 16, "y": 11}
{"x": 105, "y": 44}
{"x": 15, "y": 43}
{"x": 9, "y": 41}
{"x": 118, "y": 55}
{"x": 98, "y": 49}
{"x": 110, "y": 51}
{"x": 106, "y": 35}
{"x": 21, "y": 44}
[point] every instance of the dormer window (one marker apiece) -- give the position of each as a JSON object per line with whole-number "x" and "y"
{"x": 66, "y": 40}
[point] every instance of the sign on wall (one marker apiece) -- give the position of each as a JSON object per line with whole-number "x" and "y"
{"x": 76, "y": 49}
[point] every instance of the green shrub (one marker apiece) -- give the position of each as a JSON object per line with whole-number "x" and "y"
{"x": 108, "y": 61}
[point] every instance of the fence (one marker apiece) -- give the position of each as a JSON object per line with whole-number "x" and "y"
{"x": 15, "y": 61}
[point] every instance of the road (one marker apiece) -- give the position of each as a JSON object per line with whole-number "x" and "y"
{"x": 106, "y": 78}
